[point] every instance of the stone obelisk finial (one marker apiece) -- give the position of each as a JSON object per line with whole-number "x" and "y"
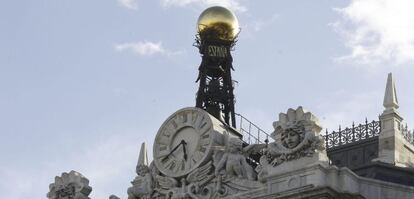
{"x": 143, "y": 157}
{"x": 391, "y": 140}
{"x": 390, "y": 97}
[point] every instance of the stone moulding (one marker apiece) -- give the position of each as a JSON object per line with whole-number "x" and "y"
{"x": 324, "y": 181}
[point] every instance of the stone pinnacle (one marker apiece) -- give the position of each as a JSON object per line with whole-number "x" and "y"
{"x": 390, "y": 97}
{"x": 143, "y": 157}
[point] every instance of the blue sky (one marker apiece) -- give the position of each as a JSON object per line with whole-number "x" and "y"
{"x": 84, "y": 83}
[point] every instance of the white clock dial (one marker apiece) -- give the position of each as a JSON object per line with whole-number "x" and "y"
{"x": 183, "y": 142}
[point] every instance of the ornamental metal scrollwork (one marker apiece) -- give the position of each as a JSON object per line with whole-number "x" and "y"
{"x": 351, "y": 135}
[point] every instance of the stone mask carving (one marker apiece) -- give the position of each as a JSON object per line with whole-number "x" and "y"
{"x": 296, "y": 135}
{"x": 291, "y": 137}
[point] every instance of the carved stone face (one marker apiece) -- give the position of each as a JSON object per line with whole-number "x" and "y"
{"x": 290, "y": 138}
{"x": 235, "y": 145}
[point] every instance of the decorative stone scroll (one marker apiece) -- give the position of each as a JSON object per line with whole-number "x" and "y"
{"x": 72, "y": 185}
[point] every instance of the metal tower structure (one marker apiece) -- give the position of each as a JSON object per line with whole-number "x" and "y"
{"x": 217, "y": 33}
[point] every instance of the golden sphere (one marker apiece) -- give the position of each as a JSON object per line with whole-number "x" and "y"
{"x": 218, "y": 22}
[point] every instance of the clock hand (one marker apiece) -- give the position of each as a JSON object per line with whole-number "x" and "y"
{"x": 185, "y": 151}
{"x": 172, "y": 151}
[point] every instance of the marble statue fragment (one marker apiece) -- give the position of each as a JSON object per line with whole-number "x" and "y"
{"x": 72, "y": 185}
{"x": 233, "y": 163}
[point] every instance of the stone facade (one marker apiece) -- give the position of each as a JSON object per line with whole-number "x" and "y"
{"x": 214, "y": 162}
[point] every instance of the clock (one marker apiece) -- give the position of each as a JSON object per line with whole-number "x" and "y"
{"x": 186, "y": 140}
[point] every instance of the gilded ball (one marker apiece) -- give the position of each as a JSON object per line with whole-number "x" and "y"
{"x": 218, "y": 22}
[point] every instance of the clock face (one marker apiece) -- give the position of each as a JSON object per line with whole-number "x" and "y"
{"x": 183, "y": 142}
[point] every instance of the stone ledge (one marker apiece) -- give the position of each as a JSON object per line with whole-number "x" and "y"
{"x": 340, "y": 180}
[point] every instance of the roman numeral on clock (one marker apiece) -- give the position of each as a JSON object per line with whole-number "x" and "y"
{"x": 162, "y": 153}
{"x": 170, "y": 164}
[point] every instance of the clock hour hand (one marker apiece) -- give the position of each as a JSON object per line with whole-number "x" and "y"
{"x": 184, "y": 149}
{"x": 174, "y": 149}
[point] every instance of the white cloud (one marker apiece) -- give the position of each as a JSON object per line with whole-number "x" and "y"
{"x": 234, "y": 5}
{"x": 130, "y": 4}
{"x": 377, "y": 31}
{"x": 145, "y": 48}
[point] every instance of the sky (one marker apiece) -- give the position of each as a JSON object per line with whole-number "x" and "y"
{"x": 84, "y": 83}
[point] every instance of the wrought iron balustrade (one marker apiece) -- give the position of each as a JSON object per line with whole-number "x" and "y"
{"x": 351, "y": 135}
{"x": 252, "y": 134}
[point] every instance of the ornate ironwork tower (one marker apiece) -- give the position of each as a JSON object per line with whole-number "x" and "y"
{"x": 217, "y": 32}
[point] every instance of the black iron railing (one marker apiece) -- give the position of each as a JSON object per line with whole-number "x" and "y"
{"x": 252, "y": 134}
{"x": 351, "y": 135}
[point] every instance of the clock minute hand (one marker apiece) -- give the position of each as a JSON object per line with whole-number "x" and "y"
{"x": 172, "y": 151}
